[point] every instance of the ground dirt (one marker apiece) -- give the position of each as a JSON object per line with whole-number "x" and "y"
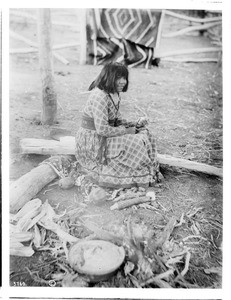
{"x": 184, "y": 104}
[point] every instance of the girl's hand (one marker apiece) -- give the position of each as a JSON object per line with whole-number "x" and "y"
{"x": 141, "y": 129}
{"x": 143, "y": 121}
{"x": 131, "y": 130}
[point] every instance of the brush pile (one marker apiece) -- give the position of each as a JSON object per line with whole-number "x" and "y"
{"x": 156, "y": 257}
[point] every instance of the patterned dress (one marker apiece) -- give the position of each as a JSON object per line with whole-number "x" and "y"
{"x": 131, "y": 159}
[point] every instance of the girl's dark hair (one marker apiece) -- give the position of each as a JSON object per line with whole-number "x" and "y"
{"x": 106, "y": 80}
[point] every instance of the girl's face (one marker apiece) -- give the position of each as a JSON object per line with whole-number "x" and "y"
{"x": 120, "y": 84}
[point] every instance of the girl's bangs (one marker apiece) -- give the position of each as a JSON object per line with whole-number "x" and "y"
{"x": 122, "y": 72}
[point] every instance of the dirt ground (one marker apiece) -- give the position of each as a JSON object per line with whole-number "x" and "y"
{"x": 184, "y": 104}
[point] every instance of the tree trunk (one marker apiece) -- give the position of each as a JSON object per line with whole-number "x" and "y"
{"x": 49, "y": 97}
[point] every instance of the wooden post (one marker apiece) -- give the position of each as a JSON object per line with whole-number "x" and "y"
{"x": 159, "y": 32}
{"x": 83, "y": 37}
{"x": 49, "y": 97}
{"x": 94, "y": 34}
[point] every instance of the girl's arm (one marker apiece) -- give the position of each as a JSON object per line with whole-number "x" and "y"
{"x": 125, "y": 122}
{"x": 100, "y": 115}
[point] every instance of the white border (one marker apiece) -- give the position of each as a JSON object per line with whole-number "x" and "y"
{"x": 6, "y": 291}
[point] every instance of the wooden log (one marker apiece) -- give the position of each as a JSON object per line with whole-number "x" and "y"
{"x": 189, "y": 29}
{"x": 190, "y": 165}
{"x": 190, "y": 59}
{"x": 66, "y": 145}
{"x": 34, "y": 50}
{"x": 46, "y": 147}
{"x": 187, "y": 51}
{"x": 26, "y": 187}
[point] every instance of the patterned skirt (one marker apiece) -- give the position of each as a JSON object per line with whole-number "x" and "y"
{"x": 131, "y": 159}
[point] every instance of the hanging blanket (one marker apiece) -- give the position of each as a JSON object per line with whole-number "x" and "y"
{"x": 124, "y": 35}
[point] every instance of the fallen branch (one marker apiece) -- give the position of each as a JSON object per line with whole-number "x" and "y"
{"x": 67, "y": 146}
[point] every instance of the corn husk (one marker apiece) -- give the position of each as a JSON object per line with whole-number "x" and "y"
{"x": 50, "y": 213}
{"x": 66, "y": 183}
{"x": 28, "y": 217}
{"x": 37, "y": 237}
{"x": 51, "y": 225}
{"x": 26, "y": 222}
{"x": 97, "y": 194}
{"x": 30, "y": 209}
{"x": 14, "y": 228}
{"x": 23, "y": 224}
{"x": 26, "y": 251}
{"x": 22, "y": 236}
{"x": 15, "y": 244}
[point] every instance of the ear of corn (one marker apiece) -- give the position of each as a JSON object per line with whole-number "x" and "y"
{"x": 22, "y": 236}
{"x": 37, "y": 237}
{"x": 22, "y": 251}
{"x": 29, "y": 207}
{"x": 33, "y": 213}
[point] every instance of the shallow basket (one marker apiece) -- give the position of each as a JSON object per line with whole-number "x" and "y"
{"x": 97, "y": 259}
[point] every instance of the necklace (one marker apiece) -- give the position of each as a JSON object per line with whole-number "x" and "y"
{"x": 118, "y": 104}
{"x": 115, "y": 121}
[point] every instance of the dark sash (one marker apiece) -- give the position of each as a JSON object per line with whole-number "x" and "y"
{"x": 88, "y": 123}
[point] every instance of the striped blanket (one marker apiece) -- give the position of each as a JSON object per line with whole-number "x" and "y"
{"x": 123, "y": 35}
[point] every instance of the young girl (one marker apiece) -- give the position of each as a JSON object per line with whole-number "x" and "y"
{"x": 113, "y": 151}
